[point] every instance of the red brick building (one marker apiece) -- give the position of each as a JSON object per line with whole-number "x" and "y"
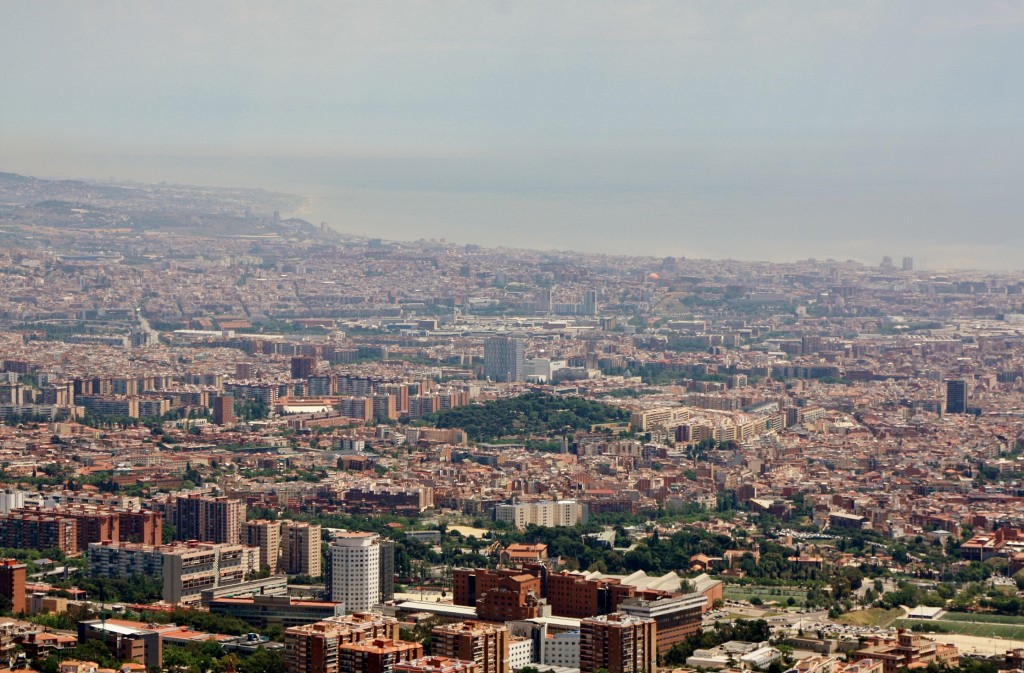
{"x": 12, "y": 584}
{"x": 572, "y": 595}
{"x": 21, "y": 530}
{"x": 618, "y": 643}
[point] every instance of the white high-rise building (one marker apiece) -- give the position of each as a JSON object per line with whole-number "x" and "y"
{"x": 11, "y": 499}
{"x": 354, "y": 571}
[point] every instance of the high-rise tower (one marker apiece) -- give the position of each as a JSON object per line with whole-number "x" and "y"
{"x": 504, "y": 358}
{"x": 956, "y": 396}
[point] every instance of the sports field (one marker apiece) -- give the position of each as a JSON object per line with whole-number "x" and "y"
{"x": 984, "y": 618}
{"x": 979, "y": 629}
{"x": 735, "y": 592}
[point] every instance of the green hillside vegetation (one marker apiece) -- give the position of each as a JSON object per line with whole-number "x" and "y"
{"x": 531, "y": 414}
{"x": 871, "y": 617}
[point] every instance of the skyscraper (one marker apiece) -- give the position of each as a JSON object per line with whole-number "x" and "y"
{"x": 544, "y": 301}
{"x": 956, "y": 396}
{"x": 504, "y": 358}
{"x": 908, "y": 263}
{"x": 353, "y": 570}
{"x": 387, "y": 570}
{"x": 224, "y": 410}
{"x": 590, "y": 302}
{"x": 302, "y": 367}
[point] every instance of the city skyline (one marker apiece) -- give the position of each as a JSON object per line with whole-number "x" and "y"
{"x": 207, "y": 405}
{"x": 508, "y": 336}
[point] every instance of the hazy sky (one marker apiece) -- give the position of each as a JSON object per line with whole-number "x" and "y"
{"x": 768, "y": 130}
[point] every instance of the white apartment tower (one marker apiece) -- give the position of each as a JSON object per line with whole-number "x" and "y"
{"x": 354, "y": 570}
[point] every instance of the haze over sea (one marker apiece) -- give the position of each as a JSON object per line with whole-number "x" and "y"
{"x": 619, "y": 202}
{"x": 773, "y": 131}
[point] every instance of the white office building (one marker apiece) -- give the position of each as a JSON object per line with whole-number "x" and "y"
{"x": 11, "y": 499}
{"x": 562, "y": 649}
{"x": 520, "y": 653}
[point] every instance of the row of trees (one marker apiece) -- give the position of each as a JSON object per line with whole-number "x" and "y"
{"x": 136, "y": 588}
{"x": 206, "y": 657}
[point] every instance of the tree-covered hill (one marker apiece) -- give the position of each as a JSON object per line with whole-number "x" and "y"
{"x": 534, "y": 413}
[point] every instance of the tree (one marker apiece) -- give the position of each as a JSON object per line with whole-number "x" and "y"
{"x": 51, "y": 664}
{"x": 262, "y": 661}
{"x": 170, "y": 531}
{"x": 95, "y": 650}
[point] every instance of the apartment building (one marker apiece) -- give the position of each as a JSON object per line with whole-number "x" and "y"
{"x": 12, "y": 584}
{"x": 379, "y": 655}
{"x": 354, "y": 570}
{"x": 664, "y": 417}
{"x": 484, "y": 644}
{"x": 223, "y": 410}
{"x": 577, "y": 596}
{"x": 618, "y": 643}
{"x": 208, "y": 519}
{"x": 499, "y": 595}
{"x": 26, "y": 530}
{"x": 300, "y": 548}
{"x": 192, "y": 567}
{"x": 546, "y": 513}
{"x": 406, "y": 501}
{"x": 124, "y": 559}
{"x": 98, "y": 523}
{"x": 266, "y": 536}
{"x": 186, "y": 568}
{"x": 437, "y": 664}
{"x": 314, "y": 648}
